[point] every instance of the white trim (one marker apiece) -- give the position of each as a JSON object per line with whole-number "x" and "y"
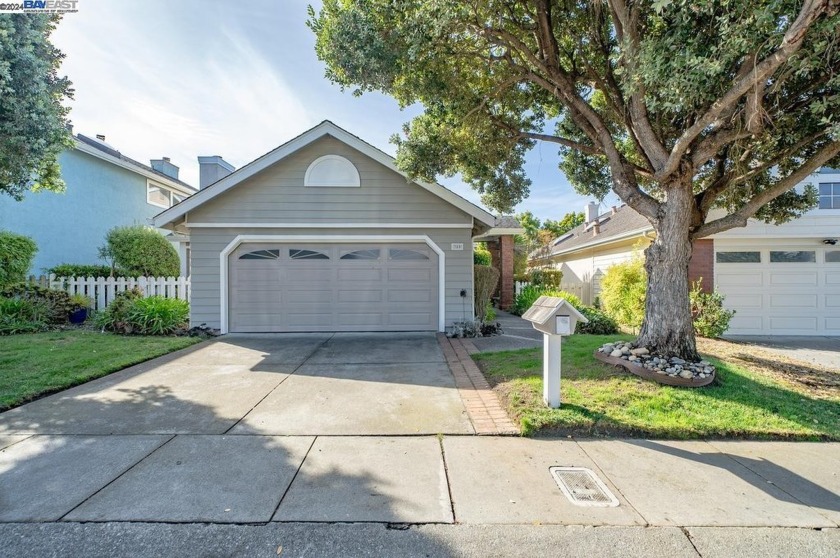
{"x": 323, "y": 129}
{"x": 307, "y": 182}
{"x": 149, "y": 185}
{"x": 617, "y": 238}
{"x": 287, "y": 225}
{"x": 99, "y": 154}
{"x": 344, "y": 239}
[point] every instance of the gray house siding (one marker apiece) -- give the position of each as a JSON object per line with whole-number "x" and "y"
{"x": 208, "y": 243}
{"x": 277, "y": 195}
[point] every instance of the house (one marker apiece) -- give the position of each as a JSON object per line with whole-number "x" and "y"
{"x": 324, "y": 233}
{"x": 105, "y": 189}
{"x": 780, "y": 279}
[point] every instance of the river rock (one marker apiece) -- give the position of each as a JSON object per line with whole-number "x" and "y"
{"x": 686, "y": 374}
{"x": 639, "y": 351}
{"x": 616, "y": 353}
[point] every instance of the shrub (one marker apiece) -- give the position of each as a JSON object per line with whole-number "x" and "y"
{"x": 529, "y": 295}
{"x": 548, "y": 278}
{"x": 623, "y": 289}
{"x": 16, "y": 254}
{"x": 485, "y": 280}
{"x": 115, "y": 316}
{"x": 490, "y": 314}
{"x": 57, "y": 303}
{"x": 599, "y": 323}
{"x": 711, "y": 319}
{"x": 22, "y": 315}
{"x": 156, "y": 315}
{"x": 83, "y": 270}
{"x": 481, "y": 255}
{"x": 140, "y": 250}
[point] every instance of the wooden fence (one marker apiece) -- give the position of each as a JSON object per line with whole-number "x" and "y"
{"x": 103, "y": 290}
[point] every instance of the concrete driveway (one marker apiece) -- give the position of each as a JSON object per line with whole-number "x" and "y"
{"x": 823, "y": 351}
{"x": 304, "y": 384}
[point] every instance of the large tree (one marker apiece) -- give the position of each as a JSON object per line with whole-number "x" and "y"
{"x": 679, "y": 107}
{"x": 33, "y": 121}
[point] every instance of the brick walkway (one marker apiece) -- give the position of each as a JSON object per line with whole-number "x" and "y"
{"x": 483, "y": 406}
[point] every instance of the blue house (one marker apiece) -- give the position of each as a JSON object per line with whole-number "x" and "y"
{"x": 105, "y": 189}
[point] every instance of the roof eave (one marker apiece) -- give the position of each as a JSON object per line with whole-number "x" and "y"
{"x": 595, "y": 243}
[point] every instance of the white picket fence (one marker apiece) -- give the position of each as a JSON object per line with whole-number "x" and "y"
{"x": 103, "y": 290}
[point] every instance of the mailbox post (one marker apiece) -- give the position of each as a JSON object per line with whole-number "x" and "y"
{"x": 554, "y": 317}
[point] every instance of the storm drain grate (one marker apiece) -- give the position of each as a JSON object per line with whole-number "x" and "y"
{"x": 582, "y": 487}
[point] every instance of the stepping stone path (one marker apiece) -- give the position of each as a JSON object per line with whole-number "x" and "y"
{"x": 673, "y": 366}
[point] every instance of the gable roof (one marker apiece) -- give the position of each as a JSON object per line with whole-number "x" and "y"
{"x": 105, "y": 152}
{"x": 325, "y": 128}
{"x": 624, "y": 223}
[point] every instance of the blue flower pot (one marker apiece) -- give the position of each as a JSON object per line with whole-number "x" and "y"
{"x": 78, "y": 316}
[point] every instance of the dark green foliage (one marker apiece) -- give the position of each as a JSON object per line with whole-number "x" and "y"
{"x": 83, "y": 270}
{"x": 141, "y": 251}
{"x": 547, "y": 278}
{"x": 599, "y": 323}
{"x": 57, "y": 303}
{"x": 528, "y": 295}
{"x": 33, "y": 124}
{"x": 22, "y": 315}
{"x": 156, "y": 315}
{"x": 711, "y": 319}
{"x": 16, "y": 253}
{"x": 115, "y": 316}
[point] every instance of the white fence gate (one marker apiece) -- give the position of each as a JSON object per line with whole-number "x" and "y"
{"x": 103, "y": 290}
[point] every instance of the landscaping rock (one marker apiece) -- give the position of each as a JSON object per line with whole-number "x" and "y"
{"x": 616, "y": 353}
{"x": 639, "y": 351}
{"x": 686, "y": 374}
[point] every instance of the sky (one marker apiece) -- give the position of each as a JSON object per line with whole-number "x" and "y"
{"x": 236, "y": 79}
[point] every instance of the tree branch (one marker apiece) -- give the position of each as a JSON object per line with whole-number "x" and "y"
{"x": 739, "y": 218}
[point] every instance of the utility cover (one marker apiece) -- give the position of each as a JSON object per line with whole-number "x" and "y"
{"x": 583, "y": 487}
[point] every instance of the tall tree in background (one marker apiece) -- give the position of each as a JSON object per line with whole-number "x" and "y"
{"x": 678, "y": 107}
{"x": 564, "y": 225}
{"x": 33, "y": 122}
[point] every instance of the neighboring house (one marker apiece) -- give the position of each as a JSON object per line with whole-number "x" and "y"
{"x": 105, "y": 189}
{"x": 324, "y": 233}
{"x": 780, "y": 279}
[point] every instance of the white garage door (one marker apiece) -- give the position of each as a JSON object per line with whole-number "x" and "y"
{"x": 792, "y": 290}
{"x": 344, "y": 287}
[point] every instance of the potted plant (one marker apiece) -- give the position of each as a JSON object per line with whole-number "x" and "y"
{"x": 80, "y": 305}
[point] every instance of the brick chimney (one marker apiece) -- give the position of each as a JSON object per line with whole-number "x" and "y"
{"x": 212, "y": 169}
{"x": 590, "y": 212}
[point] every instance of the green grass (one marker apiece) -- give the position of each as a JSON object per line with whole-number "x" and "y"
{"x": 37, "y": 364}
{"x": 597, "y": 400}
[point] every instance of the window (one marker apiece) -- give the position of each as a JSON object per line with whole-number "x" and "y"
{"x": 361, "y": 255}
{"x": 800, "y": 256}
{"x": 402, "y": 254}
{"x": 832, "y": 256}
{"x": 298, "y": 254}
{"x": 261, "y": 255}
{"x": 161, "y": 196}
{"x": 738, "y": 257}
{"x": 829, "y": 195}
{"x": 332, "y": 171}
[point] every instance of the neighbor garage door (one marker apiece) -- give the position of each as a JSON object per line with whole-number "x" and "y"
{"x": 337, "y": 287}
{"x": 792, "y": 290}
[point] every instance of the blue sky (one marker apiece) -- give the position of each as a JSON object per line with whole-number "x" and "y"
{"x": 213, "y": 77}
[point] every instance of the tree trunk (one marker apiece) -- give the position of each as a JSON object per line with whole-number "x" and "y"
{"x": 667, "y": 328}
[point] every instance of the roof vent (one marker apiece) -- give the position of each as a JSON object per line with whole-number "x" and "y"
{"x": 100, "y": 137}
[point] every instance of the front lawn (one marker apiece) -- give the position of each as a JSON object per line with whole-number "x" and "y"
{"x": 598, "y": 400}
{"x": 41, "y": 363}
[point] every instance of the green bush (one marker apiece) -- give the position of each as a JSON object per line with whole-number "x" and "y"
{"x": 599, "y": 323}
{"x": 485, "y": 279}
{"x": 156, "y": 315}
{"x": 547, "y": 278}
{"x": 56, "y": 302}
{"x": 490, "y": 314}
{"x": 22, "y": 315}
{"x": 83, "y": 270}
{"x": 115, "y": 316}
{"x": 481, "y": 255}
{"x": 529, "y": 295}
{"x": 139, "y": 250}
{"x": 711, "y": 319}
{"x": 623, "y": 288}
{"x": 16, "y": 254}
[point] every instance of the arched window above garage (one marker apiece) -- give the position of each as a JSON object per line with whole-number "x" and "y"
{"x": 332, "y": 171}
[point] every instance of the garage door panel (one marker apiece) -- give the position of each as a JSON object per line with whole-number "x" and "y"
{"x": 832, "y": 301}
{"x": 832, "y": 325}
{"x": 740, "y": 322}
{"x": 368, "y": 292}
{"x": 805, "y": 324}
{"x": 832, "y": 278}
{"x": 744, "y": 301}
{"x": 790, "y": 300}
{"x": 754, "y": 278}
{"x": 803, "y": 279}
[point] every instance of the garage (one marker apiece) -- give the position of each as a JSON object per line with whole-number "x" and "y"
{"x": 295, "y": 287}
{"x": 789, "y": 290}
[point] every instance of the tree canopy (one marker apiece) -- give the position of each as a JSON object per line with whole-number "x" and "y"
{"x": 33, "y": 124}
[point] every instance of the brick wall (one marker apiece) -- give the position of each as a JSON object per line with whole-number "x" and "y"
{"x": 702, "y": 264}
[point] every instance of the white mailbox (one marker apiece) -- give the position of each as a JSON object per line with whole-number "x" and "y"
{"x": 554, "y": 317}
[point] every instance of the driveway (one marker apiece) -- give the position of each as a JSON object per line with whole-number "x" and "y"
{"x": 823, "y": 351}
{"x": 300, "y": 384}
